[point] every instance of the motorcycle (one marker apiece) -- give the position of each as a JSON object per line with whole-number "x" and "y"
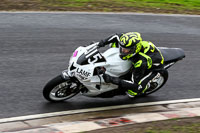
{"x": 85, "y": 73}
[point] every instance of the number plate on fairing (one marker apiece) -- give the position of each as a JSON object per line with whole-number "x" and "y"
{"x": 91, "y": 56}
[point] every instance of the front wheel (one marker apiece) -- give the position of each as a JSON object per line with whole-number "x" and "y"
{"x": 59, "y": 89}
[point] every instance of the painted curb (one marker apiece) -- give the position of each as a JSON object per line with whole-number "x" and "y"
{"x": 62, "y": 113}
{"x": 81, "y": 126}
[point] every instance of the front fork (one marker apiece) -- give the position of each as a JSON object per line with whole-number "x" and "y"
{"x": 67, "y": 76}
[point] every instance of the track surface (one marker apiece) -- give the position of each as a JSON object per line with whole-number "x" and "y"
{"x": 36, "y": 47}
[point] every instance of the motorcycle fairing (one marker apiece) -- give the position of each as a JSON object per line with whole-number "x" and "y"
{"x": 82, "y": 66}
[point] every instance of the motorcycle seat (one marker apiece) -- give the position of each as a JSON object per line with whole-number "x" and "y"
{"x": 172, "y": 54}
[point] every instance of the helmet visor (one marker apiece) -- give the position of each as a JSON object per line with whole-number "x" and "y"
{"x": 124, "y": 52}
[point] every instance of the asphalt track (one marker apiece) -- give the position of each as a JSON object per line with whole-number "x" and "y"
{"x": 35, "y": 47}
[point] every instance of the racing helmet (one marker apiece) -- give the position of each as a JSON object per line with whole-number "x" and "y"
{"x": 129, "y": 45}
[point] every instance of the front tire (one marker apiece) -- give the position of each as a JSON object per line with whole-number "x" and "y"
{"x": 60, "y": 89}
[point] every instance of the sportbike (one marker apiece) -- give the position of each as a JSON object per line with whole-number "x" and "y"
{"x": 85, "y": 71}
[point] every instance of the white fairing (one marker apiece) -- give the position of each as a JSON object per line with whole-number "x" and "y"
{"x": 84, "y": 73}
{"x": 117, "y": 67}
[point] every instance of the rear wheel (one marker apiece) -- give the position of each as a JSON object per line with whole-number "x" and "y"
{"x": 157, "y": 82}
{"x": 59, "y": 89}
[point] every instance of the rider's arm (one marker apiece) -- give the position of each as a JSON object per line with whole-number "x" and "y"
{"x": 114, "y": 39}
{"x": 123, "y": 84}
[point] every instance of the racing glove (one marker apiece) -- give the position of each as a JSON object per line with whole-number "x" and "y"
{"x": 109, "y": 79}
{"x": 101, "y": 43}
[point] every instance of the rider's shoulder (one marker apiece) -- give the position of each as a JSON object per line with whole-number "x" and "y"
{"x": 147, "y": 43}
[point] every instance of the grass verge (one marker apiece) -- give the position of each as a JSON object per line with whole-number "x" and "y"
{"x": 155, "y": 6}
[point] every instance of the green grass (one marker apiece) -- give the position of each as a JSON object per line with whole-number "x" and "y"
{"x": 190, "y": 128}
{"x": 155, "y": 6}
{"x": 185, "y": 6}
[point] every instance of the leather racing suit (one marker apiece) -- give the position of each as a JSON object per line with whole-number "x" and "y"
{"x": 144, "y": 62}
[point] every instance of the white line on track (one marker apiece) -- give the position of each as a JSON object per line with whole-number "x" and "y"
{"x": 97, "y": 13}
{"x": 46, "y": 115}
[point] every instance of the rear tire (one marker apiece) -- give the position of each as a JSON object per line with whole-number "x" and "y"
{"x": 156, "y": 86}
{"x": 59, "y": 89}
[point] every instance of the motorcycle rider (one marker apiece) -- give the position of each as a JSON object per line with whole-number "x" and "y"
{"x": 145, "y": 58}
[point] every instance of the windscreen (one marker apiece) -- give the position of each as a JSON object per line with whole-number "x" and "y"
{"x": 90, "y": 56}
